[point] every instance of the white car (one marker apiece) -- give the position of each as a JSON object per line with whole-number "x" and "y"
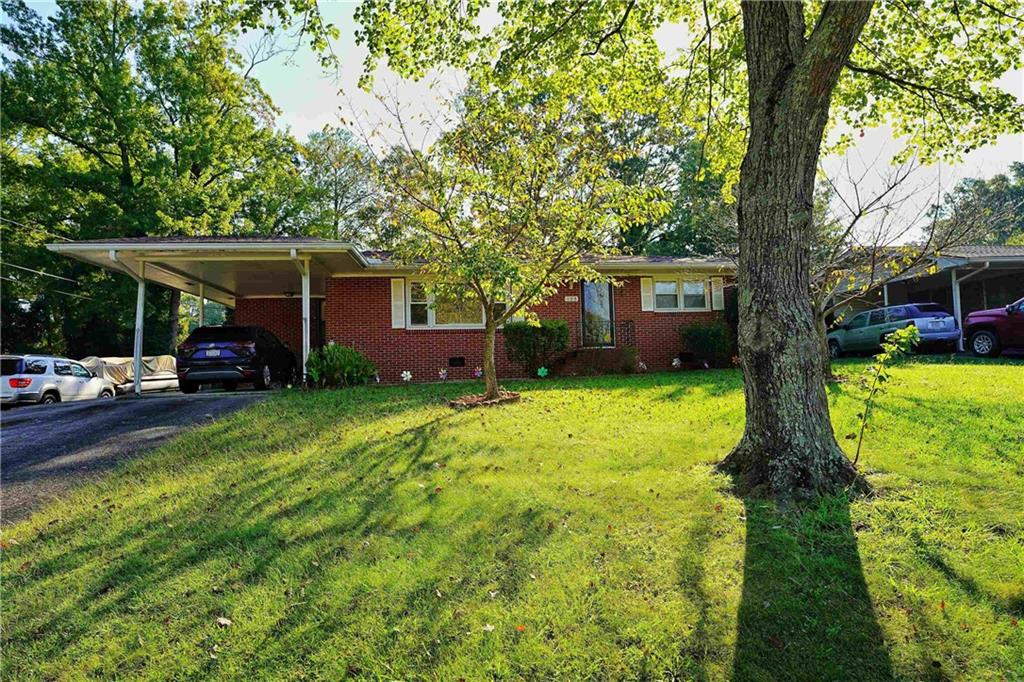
{"x": 44, "y": 379}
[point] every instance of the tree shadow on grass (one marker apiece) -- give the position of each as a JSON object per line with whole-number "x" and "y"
{"x": 805, "y": 612}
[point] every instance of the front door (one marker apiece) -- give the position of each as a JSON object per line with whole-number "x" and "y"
{"x": 598, "y": 315}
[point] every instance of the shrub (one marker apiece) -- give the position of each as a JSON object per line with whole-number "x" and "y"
{"x": 335, "y": 365}
{"x": 535, "y": 346}
{"x": 710, "y": 341}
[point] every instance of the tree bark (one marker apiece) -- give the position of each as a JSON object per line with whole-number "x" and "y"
{"x": 175, "y": 309}
{"x": 788, "y": 449}
{"x": 490, "y": 371}
{"x": 826, "y": 357}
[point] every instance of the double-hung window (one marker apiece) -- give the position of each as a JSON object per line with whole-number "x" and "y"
{"x": 680, "y": 294}
{"x": 666, "y": 294}
{"x": 425, "y": 312}
{"x": 695, "y": 295}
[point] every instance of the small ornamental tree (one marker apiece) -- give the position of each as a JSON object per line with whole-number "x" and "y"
{"x": 513, "y": 201}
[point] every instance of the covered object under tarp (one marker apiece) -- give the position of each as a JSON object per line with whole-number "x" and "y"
{"x": 159, "y": 372}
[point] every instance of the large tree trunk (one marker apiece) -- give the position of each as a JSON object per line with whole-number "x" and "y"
{"x": 490, "y": 371}
{"x": 788, "y": 449}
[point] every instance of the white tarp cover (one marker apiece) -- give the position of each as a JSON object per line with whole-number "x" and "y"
{"x": 121, "y": 371}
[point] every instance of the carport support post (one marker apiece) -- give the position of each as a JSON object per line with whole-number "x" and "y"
{"x": 202, "y": 305}
{"x": 305, "y": 317}
{"x": 956, "y": 309}
{"x": 140, "y": 309}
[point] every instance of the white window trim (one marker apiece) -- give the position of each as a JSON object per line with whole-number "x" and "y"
{"x": 681, "y": 297}
{"x": 431, "y": 324}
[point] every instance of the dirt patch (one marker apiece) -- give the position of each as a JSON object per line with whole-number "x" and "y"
{"x": 470, "y": 401}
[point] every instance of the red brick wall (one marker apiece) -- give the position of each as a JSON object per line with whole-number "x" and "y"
{"x": 657, "y": 334}
{"x": 281, "y": 316}
{"x": 357, "y": 312}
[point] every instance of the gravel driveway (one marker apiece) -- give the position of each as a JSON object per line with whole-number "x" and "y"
{"x": 45, "y": 450}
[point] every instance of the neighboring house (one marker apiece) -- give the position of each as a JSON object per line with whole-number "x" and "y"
{"x": 309, "y": 291}
{"x": 963, "y": 279}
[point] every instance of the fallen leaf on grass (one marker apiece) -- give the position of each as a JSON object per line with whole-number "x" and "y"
{"x": 224, "y": 622}
{"x": 488, "y": 628}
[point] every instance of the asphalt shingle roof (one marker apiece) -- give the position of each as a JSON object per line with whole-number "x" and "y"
{"x": 982, "y": 251}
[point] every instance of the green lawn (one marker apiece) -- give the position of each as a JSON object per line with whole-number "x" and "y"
{"x": 580, "y": 534}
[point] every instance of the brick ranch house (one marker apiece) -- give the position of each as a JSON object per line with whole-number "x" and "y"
{"x": 309, "y": 292}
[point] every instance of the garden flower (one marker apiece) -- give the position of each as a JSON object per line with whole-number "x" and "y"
{"x": 677, "y": 363}
{"x": 478, "y": 372}
{"x": 542, "y": 372}
{"x": 641, "y": 366}
{"x": 406, "y": 375}
{"x": 442, "y": 373}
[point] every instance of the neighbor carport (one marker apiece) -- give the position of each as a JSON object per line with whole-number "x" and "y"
{"x": 223, "y": 269}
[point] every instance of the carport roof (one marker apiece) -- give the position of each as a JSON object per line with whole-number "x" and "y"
{"x": 225, "y": 268}
{"x": 231, "y": 267}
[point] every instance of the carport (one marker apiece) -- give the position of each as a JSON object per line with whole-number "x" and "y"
{"x": 963, "y": 279}
{"x": 223, "y": 269}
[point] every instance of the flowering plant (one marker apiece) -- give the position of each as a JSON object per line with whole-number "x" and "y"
{"x": 542, "y": 372}
{"x": 406, "y": 375}
{"x": 442, "y": 374}
{"x": 641, "y": 366}
{"x": 478, "y": 372}
{"x": 677, "y": 363}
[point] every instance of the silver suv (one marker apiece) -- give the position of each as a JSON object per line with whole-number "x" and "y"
{"x": 44, "y": 379}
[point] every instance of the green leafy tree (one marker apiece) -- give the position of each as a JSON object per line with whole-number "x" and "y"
{"x": 514, "y": 200}
{"x": 126, "y": 120}
{"x": 341, "y": 186}
{"x": 1000, "y": 199}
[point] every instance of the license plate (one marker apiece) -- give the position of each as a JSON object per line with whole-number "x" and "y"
{"x": 213, "y": 353}
{"x": 935, "y": 325}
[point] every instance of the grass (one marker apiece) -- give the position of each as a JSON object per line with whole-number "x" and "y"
{"x": 581, "y": 534}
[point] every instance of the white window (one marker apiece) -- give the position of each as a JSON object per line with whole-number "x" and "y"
{"x": 675, "y": 295}
{"x": 419, "y": 305}
{"x": 666, "y": 294}
{"x": 695, "y": 295}
{"x": 425, "y": 312}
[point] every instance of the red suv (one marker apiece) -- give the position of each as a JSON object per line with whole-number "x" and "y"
{"x": 989, "y": 332}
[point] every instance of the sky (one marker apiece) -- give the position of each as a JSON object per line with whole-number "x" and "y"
{"x": 310, "y": 100}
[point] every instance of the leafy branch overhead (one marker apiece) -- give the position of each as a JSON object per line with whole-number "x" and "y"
{"x": 930, "y": 70}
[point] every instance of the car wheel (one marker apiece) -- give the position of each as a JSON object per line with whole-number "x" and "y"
{"x": 49, "y": 398}
{"x": 834, "y": 351}
{"x": 263, "y": 380}
{"x": 188, "y": 386}
{"x": 985, "y": 344}
{"x": 106, "y": 395}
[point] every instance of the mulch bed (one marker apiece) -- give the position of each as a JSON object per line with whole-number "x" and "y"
{"x": 469, "y": 401}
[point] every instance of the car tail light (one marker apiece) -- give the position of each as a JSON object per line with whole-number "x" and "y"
{"x": 186, "y": 349}
{"x": 19, "y": 382}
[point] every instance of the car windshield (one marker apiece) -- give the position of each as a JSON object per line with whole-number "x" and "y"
{"x": 222, "y": 334}
{"x": 9, "y": 366}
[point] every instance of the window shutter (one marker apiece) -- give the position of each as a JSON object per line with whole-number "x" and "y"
{"x": 717, "y": 294}
{"x": 397, "y": 303}
{"x": 646, "y": 294}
